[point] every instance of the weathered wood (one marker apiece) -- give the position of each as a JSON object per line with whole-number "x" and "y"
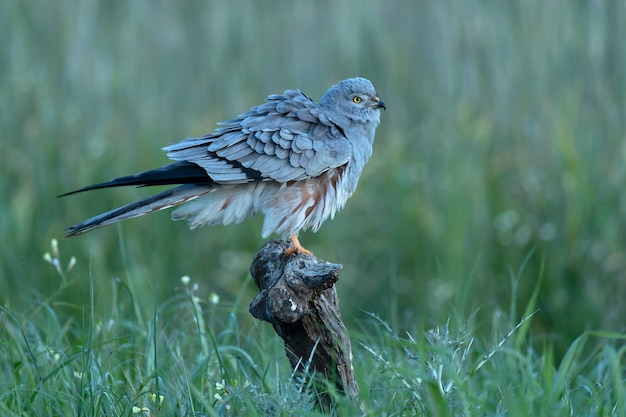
{"x": 297, "y": 296}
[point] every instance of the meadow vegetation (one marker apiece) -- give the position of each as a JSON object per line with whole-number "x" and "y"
{"x": 484, "y": 252}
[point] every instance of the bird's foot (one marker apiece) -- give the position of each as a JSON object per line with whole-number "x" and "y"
{"x": 296, "y": 248}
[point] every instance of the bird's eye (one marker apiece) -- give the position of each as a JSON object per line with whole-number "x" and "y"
{"x": 357, "y": 99}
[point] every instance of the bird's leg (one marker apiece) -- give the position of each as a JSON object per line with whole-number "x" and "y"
{"x": 296, "y": 248}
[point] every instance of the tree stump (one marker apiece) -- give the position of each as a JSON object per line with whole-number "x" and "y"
{"x": 297, "y": 296}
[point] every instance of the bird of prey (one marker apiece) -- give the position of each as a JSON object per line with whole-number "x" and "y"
{"x": 290, "y": 158}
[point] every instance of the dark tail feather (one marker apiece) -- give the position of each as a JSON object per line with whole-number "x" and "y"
{"x": 161, "y": 201}
{"x": 181, "y": 172}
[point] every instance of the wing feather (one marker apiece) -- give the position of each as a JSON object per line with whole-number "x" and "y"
{"x": 282, "y": 153}
{"x": 287, "y": 138}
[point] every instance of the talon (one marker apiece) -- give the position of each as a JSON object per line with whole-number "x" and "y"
{"x": 296, "y": 248}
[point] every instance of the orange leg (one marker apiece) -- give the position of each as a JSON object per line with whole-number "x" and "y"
{"x": 297, "y": 248}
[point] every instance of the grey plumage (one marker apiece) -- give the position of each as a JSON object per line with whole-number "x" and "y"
{"x": 294, "y": 160}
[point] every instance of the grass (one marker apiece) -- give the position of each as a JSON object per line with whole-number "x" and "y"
{"x": 190, "y": 355}
{"x": 503, "y": 146}
{"x": 503, "y": 135}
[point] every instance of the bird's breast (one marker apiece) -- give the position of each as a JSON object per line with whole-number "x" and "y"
{"x": 305, "y": 204}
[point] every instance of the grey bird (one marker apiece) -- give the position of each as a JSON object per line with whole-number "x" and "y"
{"x": 290, "y": 158}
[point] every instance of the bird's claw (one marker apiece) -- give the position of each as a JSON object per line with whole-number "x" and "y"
{"x": 296, "y": 248}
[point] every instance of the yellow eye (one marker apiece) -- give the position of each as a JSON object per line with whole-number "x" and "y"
{"x": 357, "y": 99}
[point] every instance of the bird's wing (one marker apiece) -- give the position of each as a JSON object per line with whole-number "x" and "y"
{"x": 287, "y": 138}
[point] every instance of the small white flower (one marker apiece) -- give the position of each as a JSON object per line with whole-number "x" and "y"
{"x": 55, "y": 247}
{"x": 71, "y": 265}
{"x": 185, "y": 280}
{"x": 154, "y": 399}
{"x": 214, "y": 298}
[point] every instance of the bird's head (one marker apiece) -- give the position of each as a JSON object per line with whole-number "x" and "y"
{"x": 353, "y": 98}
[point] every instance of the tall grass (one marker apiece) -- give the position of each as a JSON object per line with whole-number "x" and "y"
{"x": 189, "y": 355}
{"x": 504, "y": 136}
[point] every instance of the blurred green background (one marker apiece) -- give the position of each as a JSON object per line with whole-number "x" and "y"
{"x": 503, "y": 140}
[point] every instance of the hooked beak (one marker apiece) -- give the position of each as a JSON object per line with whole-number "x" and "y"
{"x": 379, "y": 104}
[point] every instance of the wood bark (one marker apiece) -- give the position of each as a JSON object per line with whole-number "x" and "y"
{"x": 297, "y": 296}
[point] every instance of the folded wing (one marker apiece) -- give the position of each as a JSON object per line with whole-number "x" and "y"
{"x": 285, "y": 139}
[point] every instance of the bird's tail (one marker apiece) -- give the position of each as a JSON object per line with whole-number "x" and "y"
{"x": 180, "y": 172}
{"x": 161, "y": 201}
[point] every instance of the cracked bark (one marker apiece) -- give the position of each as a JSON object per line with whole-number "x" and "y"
{"x": 297, "y": 296}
